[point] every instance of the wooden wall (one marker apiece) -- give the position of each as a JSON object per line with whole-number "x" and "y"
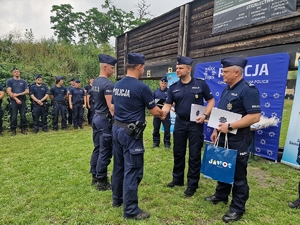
{"x": 187, "y": 30}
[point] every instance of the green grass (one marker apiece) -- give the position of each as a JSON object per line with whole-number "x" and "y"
{"x": 45, "y": 180}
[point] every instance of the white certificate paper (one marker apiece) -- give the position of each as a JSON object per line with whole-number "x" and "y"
{"x": 218, "y": 116}
{"x": 196, "y": 110}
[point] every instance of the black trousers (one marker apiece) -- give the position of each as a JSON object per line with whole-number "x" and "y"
{"x": 240, "y": 188}
{"x": 156, "y": 127}
{"x": 187, "y": 131}
{"x": 15, "y": 108}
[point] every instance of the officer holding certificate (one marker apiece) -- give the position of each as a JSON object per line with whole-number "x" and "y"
{"x": 243, "y": 98}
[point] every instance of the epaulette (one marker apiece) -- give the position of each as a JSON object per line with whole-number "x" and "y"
{"x": 173, "y": 83}
{"x": 199, "y": 78}
{"x": 250, "y": 84}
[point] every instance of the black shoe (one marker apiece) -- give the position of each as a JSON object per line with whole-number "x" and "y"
{"x": 54, "y": 129}
{"x": 1, "y": 135}
{"x": 167, "y": 147}
{"x": 215, "y": 200}
{"x": 103, "y": 184}
{"x": 94, "y": 179}
{"x": 155, "y": 146}
{"x": 173, "y": 184}
{"x": 141, "y": 216}
{"x": 75, "y": 128}
{"x": 116, "y": 205}
{"x": 45, "y": 130}
{"x": 189, "y": 192}
{"x": 13, "y": 133}
{"x": 35, "y": 131}
{"x": 294, "y": 204}
{"x": 81, "y": 127}
{"x": 64, "y": 128}
{"x": 231, "y": 217}
{"x": 23, "y": 131}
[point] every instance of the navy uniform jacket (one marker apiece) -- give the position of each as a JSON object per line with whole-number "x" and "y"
{"x": 101, "y": 87}
{"x": 242, "y": 98}
{"x": 87, "y": 88}
{"x": 1, "y": 89}
{"x": 17, "y": 86}
{"x": 77, "y": 95}
{"x": 58, "y": 93}
{"x": 160, "y": 96}
{"x": 184, "y": 95}
{"x": 38, "y": 91}
{"x": 130, "y": 97}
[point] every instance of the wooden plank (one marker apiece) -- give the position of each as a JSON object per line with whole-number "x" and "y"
{"x": 181, "y": 30}
{"x": 202, "y": 15}
{"x": 266, "y": 41}
{"x": 149, "y": 36}
{"x": 162, "y": 53}
{"x": 199, "y": 23}
{"x": 186, "y": 30}
{"x": 158, "y": 45}
{"x": 264, "y": 30}
{"x": 150, "y": 51}
{"x": 201, "y": 8}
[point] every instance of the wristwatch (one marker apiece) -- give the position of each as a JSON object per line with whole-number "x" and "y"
{"x": 229, "y": 127}
{"x": 206, "y": 116}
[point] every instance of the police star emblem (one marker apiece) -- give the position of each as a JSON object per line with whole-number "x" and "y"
{"x": 229, "y": 106}
{"x": 196, "y": 96}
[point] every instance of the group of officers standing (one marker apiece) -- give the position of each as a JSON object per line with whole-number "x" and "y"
{"x": 119, "y": 121}
{"x": 69, "y": 103}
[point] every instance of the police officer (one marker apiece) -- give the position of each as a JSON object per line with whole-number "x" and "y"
{"x": 70, "y": 113}
{"x": 58, "y": 95}
{"x": 160, "y": 95}
{"x": 185, "y": 92}
{"x": 87, "y": 88}
{"x": 17, "y": 89}
{"x": 101, "y": 91}
{"x": 243, "y": 98}
{"x": 77, "y": 103}
{"x": 1, "y": 110}
{"x": 130, "y": 97}
{"x": 39, "y": 96}
{"x": 90, "y": 102}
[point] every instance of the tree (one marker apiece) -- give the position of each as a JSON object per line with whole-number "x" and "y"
{"x": 142, "y": 12}
{"x": 64, "y": 22}
{"x": 29, "y": 35}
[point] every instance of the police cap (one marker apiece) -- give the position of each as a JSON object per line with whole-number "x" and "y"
{"x": 107, "y": 59}
{"x": 135, "y": 58}
{"x": 59, "y": 77}
{"x": 77, "y": 81}
{"x": 14, "y": 68}
{"x": 184, "y": 60}
{"x": 72, "y": 79}
{"x": 234, "y": 61}
{"x": 164, "y": 79}
{"x": 37, "y": 76}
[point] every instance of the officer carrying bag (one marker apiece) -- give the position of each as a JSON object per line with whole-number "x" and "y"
{"x": 219, "y": 163}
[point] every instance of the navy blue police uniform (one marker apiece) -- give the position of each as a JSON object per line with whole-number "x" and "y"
{"x": 92, "y": 105}
{"x": 130, "y": 97}
{"x": 78, "y": 95}
{"x": 70, "y": 113}
{"x": 242, "y": 98}
{"x": 39, "y": 111}
{"x": 17, "y": 86}
{"x": 184, "y": 95}
{"x": 59, "y": 105}
{"x": 102, "y": 126}
{"x": 90, "y": 114}
{"x": 160, "y": 97}
{"x": 1, "y": 111}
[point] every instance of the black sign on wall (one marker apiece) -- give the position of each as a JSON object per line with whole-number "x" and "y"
{"x": 229, "y": 14}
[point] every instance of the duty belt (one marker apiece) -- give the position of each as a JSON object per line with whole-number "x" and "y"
{"x": 183, "y": 118}
{"x": 120, "y": 124}
{"x": 102, "y": 114}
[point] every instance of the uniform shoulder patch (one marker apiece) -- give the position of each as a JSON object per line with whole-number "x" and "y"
{"x": 198, "y": 78}
{"x": 250, "y": 84}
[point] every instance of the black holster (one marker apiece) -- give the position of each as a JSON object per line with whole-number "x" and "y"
{"x": 139, "y": 129}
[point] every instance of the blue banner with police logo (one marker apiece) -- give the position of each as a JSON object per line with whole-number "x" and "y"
{"x": 269, "y": 74}
{"x": 291, "y": 153}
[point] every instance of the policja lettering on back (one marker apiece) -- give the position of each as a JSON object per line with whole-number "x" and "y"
{"x": 122, "y": 92}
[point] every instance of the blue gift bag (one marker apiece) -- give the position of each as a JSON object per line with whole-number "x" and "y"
{"x": 219, "y": 163}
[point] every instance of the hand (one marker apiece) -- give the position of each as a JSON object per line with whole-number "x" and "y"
{"x": 83, "y": 106}
{"x": 18, "y": 101}
{"x": 15, "y": 95}
{"x": 40, "y": 102}
{"x": 213, "y": 136}
{"x": 163, "y": 115}
{"x": 71, "y": 107}
{"x": 200, "y": 119}
{"x": 223, "y": 127}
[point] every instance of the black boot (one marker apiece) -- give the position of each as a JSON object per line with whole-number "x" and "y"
{"x": 23, "y": 131}
{"x": 94, "y": 179}
{"x": 103, "y": 184}
{"x": 13, "y": 132}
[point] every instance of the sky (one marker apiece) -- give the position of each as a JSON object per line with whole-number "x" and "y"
{"x": 20, "y": 15}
